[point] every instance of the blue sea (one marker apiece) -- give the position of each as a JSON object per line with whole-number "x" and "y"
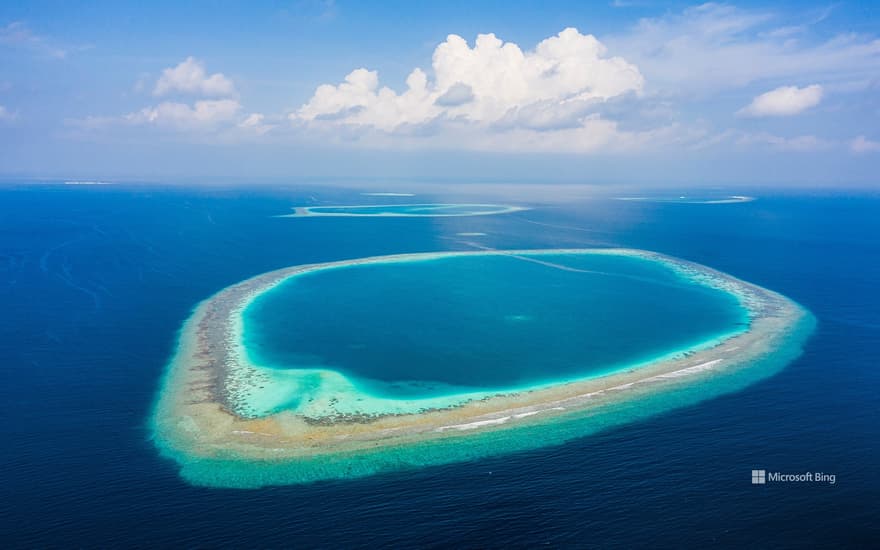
{"x": 95, "y": 282}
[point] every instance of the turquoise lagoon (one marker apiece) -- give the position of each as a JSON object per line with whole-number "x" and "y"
{"x": 391, "y": 337}
{"x": 455, "y": 325}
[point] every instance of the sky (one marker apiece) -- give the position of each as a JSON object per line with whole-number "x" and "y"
{"x": 617, "y": 92}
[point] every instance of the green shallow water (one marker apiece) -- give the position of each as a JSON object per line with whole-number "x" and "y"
{"x": 413, "y": 330}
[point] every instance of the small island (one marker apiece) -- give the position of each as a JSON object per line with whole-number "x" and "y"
{"x": 243, "y": 405}
{"x": 685, "y": 199}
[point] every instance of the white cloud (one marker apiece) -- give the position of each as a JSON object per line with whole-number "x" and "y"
{"x": 861, "y": 145}
{"x": 255, "y": 122}
{"x": 482, "y": 85}
{"x": 570, "y": 93}
{"x": 592, "y": 134}
{"x": 783, "y": 101}
{"x": 17, "y": 34}
{"x": 714, "y": 47}
{"x": 797, "y": 144}
{"x": 215, "y": 115}
{"x": 218, "y": 120}
{"x": 190, "y": 77}
{"x": 202, "y": 114}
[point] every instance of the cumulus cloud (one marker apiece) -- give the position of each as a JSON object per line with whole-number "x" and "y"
{"x": 861, "y": 145}
{"x": 783, "y": 101}
{"x": 493, "y": 82}
{"x": 214, "y": 114}
{"x": 569, "y": 93}
{"x": 190, "y": 77}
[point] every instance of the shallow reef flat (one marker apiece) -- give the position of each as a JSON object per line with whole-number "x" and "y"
{"x": 230, "y": 422}
{"x": 405, "y": 210}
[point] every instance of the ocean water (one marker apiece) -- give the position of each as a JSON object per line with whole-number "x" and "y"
{"x": 95, "y": 282}
{"x": 484, "y": 322}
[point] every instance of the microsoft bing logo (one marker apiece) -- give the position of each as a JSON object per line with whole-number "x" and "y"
{"x": 759, "y": 477}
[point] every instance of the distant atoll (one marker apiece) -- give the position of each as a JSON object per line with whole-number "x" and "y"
{"x": 404, "y": 210}
{"x": 685, "y": 199}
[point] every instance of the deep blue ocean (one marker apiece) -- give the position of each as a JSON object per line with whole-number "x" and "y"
{"x": 96, "y": 281}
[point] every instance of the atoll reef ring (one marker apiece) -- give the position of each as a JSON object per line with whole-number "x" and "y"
{"x": 350, "y": 368}
{"x": 685, "y": 199}
{"x": 405, "y": 210}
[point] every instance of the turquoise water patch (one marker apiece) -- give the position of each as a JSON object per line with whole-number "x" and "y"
{"x": 439, "y": 326}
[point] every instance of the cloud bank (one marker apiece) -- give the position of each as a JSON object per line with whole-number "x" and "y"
{"x": 492, "y": 84}
{"x": 660, "y": 85}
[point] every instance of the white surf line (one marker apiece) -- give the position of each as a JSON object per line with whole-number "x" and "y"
{"x": 687, "y": 371}
{"x": 474, "y": 425}
{"x": 731, "y": 199}
{"x": 496, "y": 421}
